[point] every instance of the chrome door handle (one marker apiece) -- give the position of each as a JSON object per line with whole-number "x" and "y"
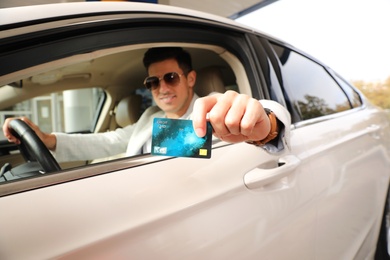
{"x": 259, "y": 177}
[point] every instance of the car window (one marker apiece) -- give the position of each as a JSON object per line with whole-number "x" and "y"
{"x": 354, "y": 97}
{"x": 84, "y": 109}
{"x": 71, "y": 111}
{"x": 309, "y": 88}
{"x": 221, "y": 62}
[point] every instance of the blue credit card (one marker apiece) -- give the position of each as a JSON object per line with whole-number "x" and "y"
{"x": 176, "y": 137}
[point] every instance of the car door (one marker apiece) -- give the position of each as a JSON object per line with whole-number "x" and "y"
{"x": 243, "y": 203}
{"x": 346, "y": 140}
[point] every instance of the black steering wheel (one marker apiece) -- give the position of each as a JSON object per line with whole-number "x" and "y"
{"x": 32, "y": 148}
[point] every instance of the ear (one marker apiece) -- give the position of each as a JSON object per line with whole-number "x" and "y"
{"x": 191, "y": 78}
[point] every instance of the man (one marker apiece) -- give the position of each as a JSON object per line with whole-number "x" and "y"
{"x": 234, "y": 117}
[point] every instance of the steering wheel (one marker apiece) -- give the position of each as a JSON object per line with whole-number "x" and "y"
{"x": 31, "y": 146}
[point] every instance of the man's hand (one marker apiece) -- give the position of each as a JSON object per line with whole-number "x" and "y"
{"x": 48, "y": 139}
{"x": 235, "y": 117}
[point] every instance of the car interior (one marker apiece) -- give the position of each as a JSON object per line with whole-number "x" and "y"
{"x": 116, "y": 96}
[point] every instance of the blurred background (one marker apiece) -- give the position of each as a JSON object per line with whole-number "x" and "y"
{"x": 351, "y": 36}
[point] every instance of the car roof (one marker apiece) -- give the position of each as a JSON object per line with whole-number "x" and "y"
{"x": 16, "y": 15}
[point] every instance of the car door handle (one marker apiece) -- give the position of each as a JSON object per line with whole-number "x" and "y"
{"x": 260, "y": 176}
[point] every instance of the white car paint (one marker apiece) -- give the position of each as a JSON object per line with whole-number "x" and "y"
{"x": 321, "y": 199}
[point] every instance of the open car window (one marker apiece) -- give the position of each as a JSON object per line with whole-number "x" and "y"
{"x": 85, "y": 95}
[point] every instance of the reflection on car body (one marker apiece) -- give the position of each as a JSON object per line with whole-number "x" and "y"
{"x": 71, "y": 67}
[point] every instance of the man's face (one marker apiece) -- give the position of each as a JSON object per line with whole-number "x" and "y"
{"x": 172, "y": 99}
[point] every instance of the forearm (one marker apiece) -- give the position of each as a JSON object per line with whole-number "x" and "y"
{"x": 72, "y": 147}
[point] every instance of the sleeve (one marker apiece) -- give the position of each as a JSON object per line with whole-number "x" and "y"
{"x": 282, "y": 141}
{"x": 75, "y": 147}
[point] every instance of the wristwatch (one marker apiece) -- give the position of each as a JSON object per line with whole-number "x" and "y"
{"x": 274, "y": 131}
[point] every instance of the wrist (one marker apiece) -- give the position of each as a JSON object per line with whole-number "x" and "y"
{"x": 274, "y": 129}
{"x": 51, "y": 141}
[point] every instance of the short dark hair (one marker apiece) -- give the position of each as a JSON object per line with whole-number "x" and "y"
{"x": 158, "y": 54}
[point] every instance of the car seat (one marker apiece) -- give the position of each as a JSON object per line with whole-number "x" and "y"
{"x": 128, "y": 110}
{"x": 208, "y": 80}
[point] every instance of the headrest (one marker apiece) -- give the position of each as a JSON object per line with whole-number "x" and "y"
{"x": 209, "y": 79}
{"x": 128, "y": 110}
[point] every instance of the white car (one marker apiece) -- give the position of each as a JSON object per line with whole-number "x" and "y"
{"x": 71, "y": 68}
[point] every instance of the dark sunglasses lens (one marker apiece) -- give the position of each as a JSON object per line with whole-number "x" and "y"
{"x": 172, "y": 78}
{"x": 152, "y": 82}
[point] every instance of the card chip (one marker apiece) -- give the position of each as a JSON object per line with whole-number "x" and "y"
{"x": 203, "y": 152}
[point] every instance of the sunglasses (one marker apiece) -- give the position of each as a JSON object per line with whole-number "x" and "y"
{"x": 170, "y": 78}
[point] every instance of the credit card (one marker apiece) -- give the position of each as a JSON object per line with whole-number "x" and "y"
{"x": 177, "y": 137}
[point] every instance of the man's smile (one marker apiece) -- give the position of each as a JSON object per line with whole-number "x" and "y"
{"x": 167, "y": 99}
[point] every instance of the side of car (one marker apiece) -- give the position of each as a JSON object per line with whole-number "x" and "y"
{"x": 321, "y": 198}
{"x": 342, "y": 149}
